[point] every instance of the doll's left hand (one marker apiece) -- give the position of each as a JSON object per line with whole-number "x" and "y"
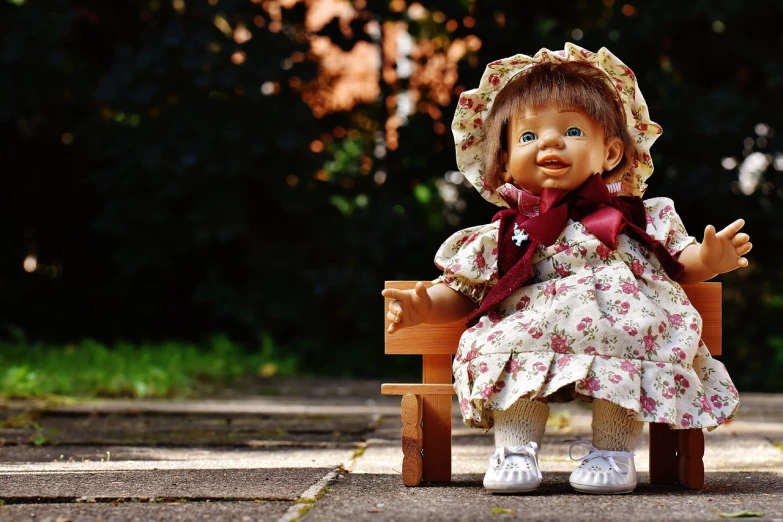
{"x": 722, "y": 251}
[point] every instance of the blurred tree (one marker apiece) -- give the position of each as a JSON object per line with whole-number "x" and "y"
{"x": 174, "y": 168}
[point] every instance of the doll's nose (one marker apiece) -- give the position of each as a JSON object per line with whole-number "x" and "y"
{"x": 550, "y": 140}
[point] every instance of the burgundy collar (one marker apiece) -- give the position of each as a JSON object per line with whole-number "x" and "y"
{"x": 528, "y": 204}
{"x": 603, "y": 214}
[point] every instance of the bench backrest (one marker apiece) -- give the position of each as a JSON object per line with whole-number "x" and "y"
{"x": 444, "y": 338}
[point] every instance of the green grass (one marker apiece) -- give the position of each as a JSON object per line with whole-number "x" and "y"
{"x": 90, "y": 369}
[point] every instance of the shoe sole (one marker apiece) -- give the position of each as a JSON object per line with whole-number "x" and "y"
{"x": 510, "y": 488}
{"x": 602, "y": 490}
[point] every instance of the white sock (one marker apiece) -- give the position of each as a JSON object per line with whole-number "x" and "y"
{"x": 613, "y": 429}
{"x": 522, "y": 422}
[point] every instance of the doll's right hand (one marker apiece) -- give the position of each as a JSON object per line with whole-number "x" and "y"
{"x": 408, "y": 307}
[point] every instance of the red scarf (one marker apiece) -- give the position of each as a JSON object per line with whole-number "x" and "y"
{"x": 604, "y": 215}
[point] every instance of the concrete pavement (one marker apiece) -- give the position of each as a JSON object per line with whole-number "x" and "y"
{"x": 314, "y": 449}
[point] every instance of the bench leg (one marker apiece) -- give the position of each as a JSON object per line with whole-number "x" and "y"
{"x": 663, "y": 454}
{"x": 676, "y": 456}
{"x": 437, "y": 438}
{"x": 690, "y": 458}
{"x": 437, "y": 420}
{"x": 411, "y": 439}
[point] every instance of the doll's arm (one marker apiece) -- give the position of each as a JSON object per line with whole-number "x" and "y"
{"x": 438, "y": 304}
{"x": 718, "y": 253}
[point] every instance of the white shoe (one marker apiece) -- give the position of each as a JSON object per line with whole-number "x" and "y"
{"x": 513, "y": 470}
{"x": 603, "y": 472}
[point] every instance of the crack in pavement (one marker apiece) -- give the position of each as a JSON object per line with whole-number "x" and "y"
{"x": 314, "y": 493}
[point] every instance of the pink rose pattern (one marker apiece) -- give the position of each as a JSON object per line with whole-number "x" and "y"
{"x": 609, "y": 322}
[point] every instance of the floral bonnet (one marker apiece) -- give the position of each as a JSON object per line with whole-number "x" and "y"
{"x": 474, "y": 107}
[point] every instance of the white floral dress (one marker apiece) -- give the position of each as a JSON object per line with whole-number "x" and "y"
{"x": 591, "y": 323}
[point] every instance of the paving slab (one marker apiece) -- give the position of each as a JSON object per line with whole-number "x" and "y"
{"x": 300, "y": 387}
{"x": 114, "y": 458}
{"x": 744, "y": 473}
{"x": 227, "y": 484}
{"x": 329, "y": 450}
{"x": 373, "y": 497}
{"x": 131, "y": 459}
{"x": 146, "y": 512}
{"x": 235, "y": 406}
{"x": 166, "y": 429}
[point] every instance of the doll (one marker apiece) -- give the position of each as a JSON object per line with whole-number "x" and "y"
{"x": 571, "y": 292}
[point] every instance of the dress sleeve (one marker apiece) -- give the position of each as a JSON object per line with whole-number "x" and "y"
{"x": 665, "y": 225}
{"x": 469, "y": 260}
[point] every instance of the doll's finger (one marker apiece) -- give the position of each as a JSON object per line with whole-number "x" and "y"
{"x": 392, "y": 328}
{"x": 395, "y": 310}
{"x": 744, "y": 249}
{"x": 394, "y": 293}
{"x": 732, "y": 229}
{"x": 393, "y": 316}
{"x": 420, "y": 293}
{"x": 709, "y": 234}
{"x": 740, "y": 239}
{"x": 742, "y": 262}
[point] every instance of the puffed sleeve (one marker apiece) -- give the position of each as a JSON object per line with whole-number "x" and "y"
{"x": 665, "y": 225}
{"x": 469, "y": 260}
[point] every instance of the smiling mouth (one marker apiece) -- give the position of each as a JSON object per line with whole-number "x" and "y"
{"x": 553, "y": 165}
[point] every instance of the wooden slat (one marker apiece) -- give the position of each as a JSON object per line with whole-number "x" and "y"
{"x": 418, "y": 389}
{"x": 444, "y": 338}
{"x": 437, "y": 420}
{"x": 707, "y": 299}
{"x": 690, "y": 455}
{"x": 412, "y": 438}
{"x": 663, "y": 454}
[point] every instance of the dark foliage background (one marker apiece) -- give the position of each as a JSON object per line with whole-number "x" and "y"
{"x": 165, "y": 195}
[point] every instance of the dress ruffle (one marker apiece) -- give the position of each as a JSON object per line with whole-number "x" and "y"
{"x": 660, "y": 392}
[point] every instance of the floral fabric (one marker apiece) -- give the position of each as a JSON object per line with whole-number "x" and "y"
{"x": 594, "y": 322}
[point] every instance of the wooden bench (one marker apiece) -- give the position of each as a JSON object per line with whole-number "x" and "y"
{"x": 675, "y": 455}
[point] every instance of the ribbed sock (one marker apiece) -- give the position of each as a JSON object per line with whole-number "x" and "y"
{"x": 522, "y": 422}
{"x": 613, "y": 429}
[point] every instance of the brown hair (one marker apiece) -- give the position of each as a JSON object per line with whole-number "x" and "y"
{"x": 570, "y": 85}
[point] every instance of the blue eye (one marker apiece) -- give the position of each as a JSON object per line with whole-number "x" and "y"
{"x": 574, "y": 132}
{"x": 527, "y": 137}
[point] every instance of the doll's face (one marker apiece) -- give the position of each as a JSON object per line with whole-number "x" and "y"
{"x": 550, "y": 147}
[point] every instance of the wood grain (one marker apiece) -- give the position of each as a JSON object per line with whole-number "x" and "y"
{"x": 418, "y": 389}
{"x": 663, "y": 454}
{"x": 437, "y": 420}
{"x": 411, "y": 413}
{"x": 707, "y": 299}
{"x": 444, "y": 338}
{"x": 690, "y": 456}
